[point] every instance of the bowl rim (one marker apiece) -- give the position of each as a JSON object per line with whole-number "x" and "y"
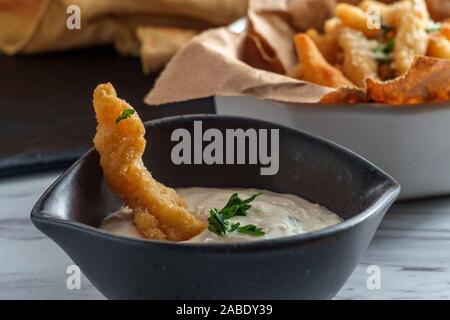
{"x": 39, "y": 216}
{"x": 376, "y": 108}
{"x": 390, "y": 109}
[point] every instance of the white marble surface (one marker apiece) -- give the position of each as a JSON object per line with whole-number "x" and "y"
{"x": 412, "y": 249}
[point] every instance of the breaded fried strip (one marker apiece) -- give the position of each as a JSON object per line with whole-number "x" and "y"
{"x": 328, "y": 43}
{"x": 428, "y": 80}
{"x": 344, "y": 95}
{"x": 412, "y": 37}
{"x": 355, "y": 18}
{"x": 315, "y": 68}
{"x": 439, "y": 46}
{"x": 446, "y": 30}
{"x": 359, "y": 60}
{"x": 159, "y": 213}
{"x": 387, "y": 11}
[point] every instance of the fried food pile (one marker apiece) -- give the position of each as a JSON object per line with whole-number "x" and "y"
{"x": 393, "y": 63}
{"x": 159, "y": 213}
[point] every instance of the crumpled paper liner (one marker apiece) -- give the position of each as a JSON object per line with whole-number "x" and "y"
{"x": 34, "y": 26}
{"x": 220, "y": 62}
{"x": 210, "y": 65}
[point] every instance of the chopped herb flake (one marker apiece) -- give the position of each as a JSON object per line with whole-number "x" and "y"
{"x": 385, "y": 28}
{"x": 218, "y": 220}
{"x": 384, "y": 52}
{"x": 252, "y": 230}
{"x": 125, "y": 115}
{"x": 434, "y": 27}
{"x": 220, "y": 225}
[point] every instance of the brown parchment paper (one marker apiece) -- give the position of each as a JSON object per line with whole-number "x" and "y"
{"x": 210, "y": 65}
{"x": 220, "y": 62}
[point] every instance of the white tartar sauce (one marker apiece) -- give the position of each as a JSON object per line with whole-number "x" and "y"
{"x": 278, "y": 215}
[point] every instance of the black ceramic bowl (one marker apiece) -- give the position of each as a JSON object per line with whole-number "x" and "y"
{"x": 309, "y": 266}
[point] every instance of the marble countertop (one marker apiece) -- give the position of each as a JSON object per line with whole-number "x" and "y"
{"x": 411, "y": 249}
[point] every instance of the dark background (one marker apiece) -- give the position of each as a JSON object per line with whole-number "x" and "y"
{"x": 46, "y": 116}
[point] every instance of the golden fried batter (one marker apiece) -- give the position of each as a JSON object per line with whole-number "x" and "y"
{"x": 428, "y": 80}
{"x": 314, "y": 66}
{"x": 159, "y": 213}
{"x": 359, "y": 61}
{"x": 412, "y": 37}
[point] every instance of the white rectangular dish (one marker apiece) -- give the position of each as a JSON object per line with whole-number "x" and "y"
{"x": 411, "y": 143}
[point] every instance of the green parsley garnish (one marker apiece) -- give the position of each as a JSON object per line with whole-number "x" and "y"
{"x": 237, "y": 207}
{"x": 434, "y": 27}
{"x": 125, "y": 115}
{"x": 219, "y": 224}
{"x": 385, "y": 28}
{"x": 219, "y": 220}
{"x": 252, "y": 230}
{"x": 384, "y": 52}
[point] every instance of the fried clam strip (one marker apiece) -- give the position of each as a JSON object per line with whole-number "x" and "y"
{"x": 355, "y": 18}
{"x": 159, "y": 213}
{"x": 328, "y": 43}
{"x": 446, "y": 30}
{"x": 359, "y": 60}
{"x": 345, "y": 95}
{"x": 439, "y": 45}
{"x": 389, "y": 13}
{"x": 428, "y": 80}
{"x": 412, "y": 20}
{"x": 315, "y": 68}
